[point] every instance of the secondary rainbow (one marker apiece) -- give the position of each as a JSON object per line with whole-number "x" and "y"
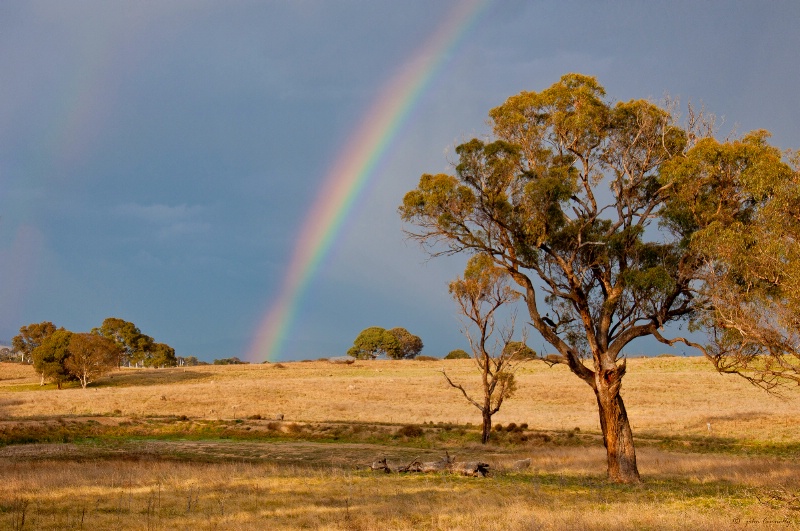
{"x": 352, "y": 171}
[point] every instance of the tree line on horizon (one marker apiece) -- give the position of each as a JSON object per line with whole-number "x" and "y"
{"x": 59, "y": 355}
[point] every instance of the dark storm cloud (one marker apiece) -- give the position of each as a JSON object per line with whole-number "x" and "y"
{"x": 158, "y": 158}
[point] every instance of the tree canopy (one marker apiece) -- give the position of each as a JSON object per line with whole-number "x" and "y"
{"x": 136, "y": 348}
{"x": 410, "y": 345}
{"x": 30, "y": 337}
{"x": 134, "y": 345}
{"x": 373, "y": 342}
{"x": 602, "y": 213}
{"x": 748, "y": 242}
{"x": 458, "y": 354}
{"x": 49, "y": 358}
{"x": 90, "y": 357}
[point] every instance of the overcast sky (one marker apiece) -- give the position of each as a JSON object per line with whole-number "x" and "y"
{"x": 158, "y": 158}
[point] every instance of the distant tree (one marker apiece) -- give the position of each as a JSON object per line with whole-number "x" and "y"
{"x": 230, "y": 361}
{"x": 521, "y": 351}
{"x": 373, "y": 342}
{"x": 161, "y": 355}
{"x": 6, "y": 354}
{"x": 90, "y": 357}
{"x": 49, "y": 358}
{"x": 484, "y": 290}
{"x": 458, "y": 354}
{"x": 188, "y": 361}
{"x": 30, "y": 337}
{"x": 133, "y": 343}
{"x": 410, "y": 345}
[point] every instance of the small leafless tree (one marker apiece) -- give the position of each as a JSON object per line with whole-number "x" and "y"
{"x": 480, "y": 294}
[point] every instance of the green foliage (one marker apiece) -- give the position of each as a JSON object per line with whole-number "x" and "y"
{"x": 519, "y": 351}
{"x": 137, "y": 348}
{"x": 458, "y": 354}
{"x": 567, "y": 199}
{"x": 738, "y": 205}
{"x": 230, "y": 361}
{"x": 49, "y": 358}
{"x": 30, "y": 337}
{"x": 410, "y": 345}
{"x": 133, "y": 344}
{"x": 161, "y": 355}
{"x": 373, "y": 342}
{"x": 91, "y": 356}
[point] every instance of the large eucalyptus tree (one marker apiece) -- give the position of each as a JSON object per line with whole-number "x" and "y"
{"x": 596, "y": 210}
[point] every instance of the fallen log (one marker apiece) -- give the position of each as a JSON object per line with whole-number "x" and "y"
{"x": 413, "y": 466}
{"x": 446, "y": 464}
{"x": 381, "y": 465}
{"x": 471, "y": 468}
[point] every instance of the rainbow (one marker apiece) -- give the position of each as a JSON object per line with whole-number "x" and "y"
{"x": 352, "y": 170}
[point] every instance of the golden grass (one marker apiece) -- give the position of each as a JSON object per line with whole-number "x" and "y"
{"x": 674, "y": 397}
{"x": 286, "y": 482}
{"x": 557, "y": 493}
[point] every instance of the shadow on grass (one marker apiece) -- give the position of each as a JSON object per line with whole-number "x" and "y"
{"x": 718, "y": 445}
{"x": 144, "y": 377}
{"x": 123, "y": 378}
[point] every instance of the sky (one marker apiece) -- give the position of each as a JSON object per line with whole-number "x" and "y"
{"x": 168, "y": 162}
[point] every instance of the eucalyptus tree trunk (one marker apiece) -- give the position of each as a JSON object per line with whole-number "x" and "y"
{"x": 487, "y": 425}
{"x": 617, "y": 434}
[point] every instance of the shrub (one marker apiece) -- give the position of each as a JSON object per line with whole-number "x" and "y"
{"x": 409, "y": 430}
{"x": 294, "y": 428}
{"x": 426, "y": 358}
{"x": 457, "y": 354}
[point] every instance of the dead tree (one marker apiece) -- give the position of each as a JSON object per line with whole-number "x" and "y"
{"x": 484, "y": 290}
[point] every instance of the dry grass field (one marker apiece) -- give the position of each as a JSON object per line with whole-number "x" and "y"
{"x": 198, "y": 448}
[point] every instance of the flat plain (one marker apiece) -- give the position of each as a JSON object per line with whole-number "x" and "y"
{"x": 202, "y": 448}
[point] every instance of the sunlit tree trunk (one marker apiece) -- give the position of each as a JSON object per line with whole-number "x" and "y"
{"x": 487, "y": 423}
{"x": 617, "y": 434}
